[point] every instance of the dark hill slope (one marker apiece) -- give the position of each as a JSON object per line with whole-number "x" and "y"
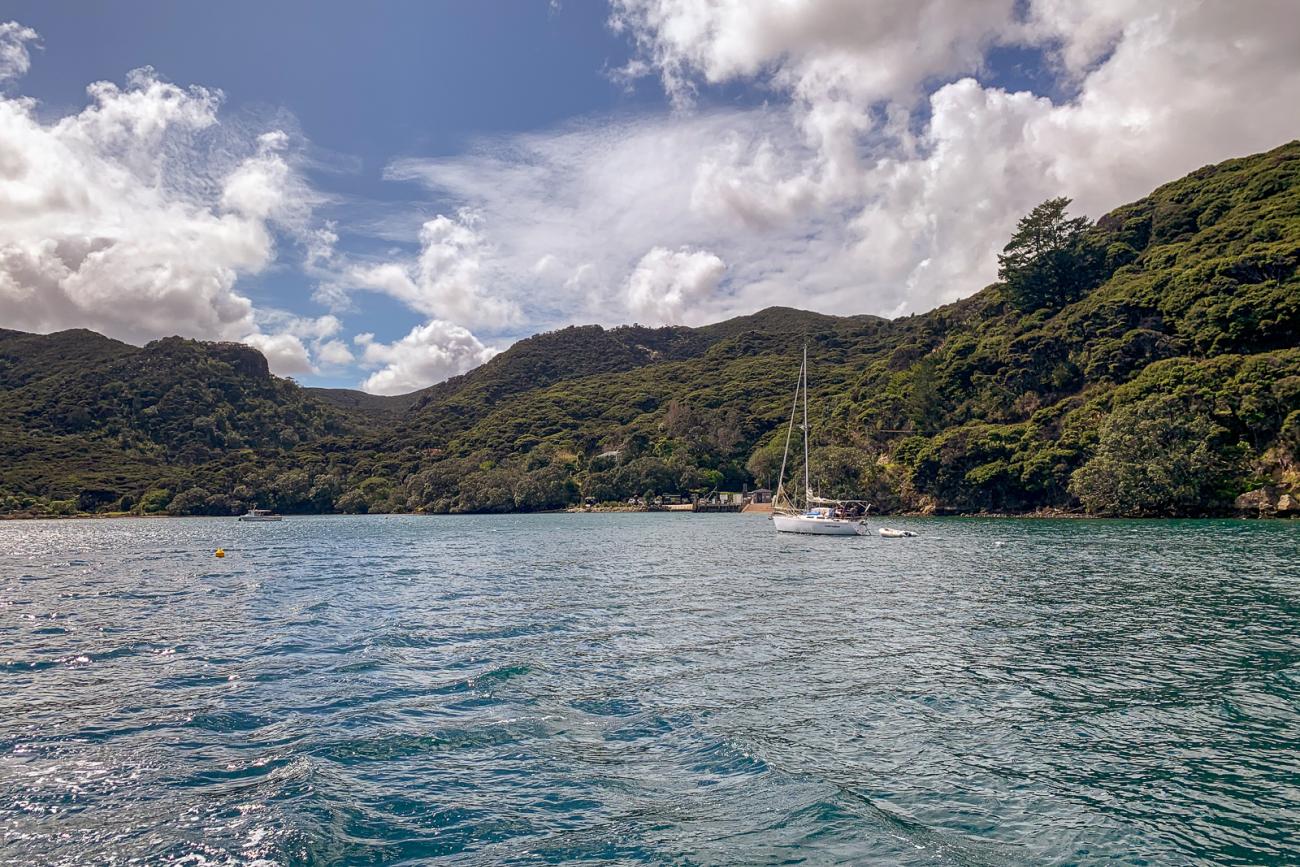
{"x": 443, "y": 411}
{"x": 569, "y": 353}
{"x": 85, "y": 416}
{"x": 1199, "y": 316}
{"x": 28, "y": 358}
{"x": 376, "y": 407}
{"x": 531, "y": 363}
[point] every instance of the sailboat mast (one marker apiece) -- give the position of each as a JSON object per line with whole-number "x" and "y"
{"x": 794, "y": 407}
{"x": 807, "y": 490}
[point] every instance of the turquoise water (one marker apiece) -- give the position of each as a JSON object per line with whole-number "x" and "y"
{"x": 648, "y": 688}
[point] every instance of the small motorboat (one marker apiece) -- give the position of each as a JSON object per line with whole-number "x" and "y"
{"x": 892, "y": 533}
{"x": 260, "y": 515}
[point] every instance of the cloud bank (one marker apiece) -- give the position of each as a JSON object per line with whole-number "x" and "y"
{"x": 666, "y": 283}
{"x": 445, "y": 280}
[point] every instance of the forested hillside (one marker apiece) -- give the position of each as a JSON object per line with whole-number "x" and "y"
{"x": 1147, "y": 364}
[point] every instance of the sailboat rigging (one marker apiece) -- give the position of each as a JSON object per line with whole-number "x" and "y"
{"x": 814, "y": 515}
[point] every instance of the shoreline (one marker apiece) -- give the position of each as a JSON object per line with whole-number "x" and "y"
{"x": 597, "y": 510}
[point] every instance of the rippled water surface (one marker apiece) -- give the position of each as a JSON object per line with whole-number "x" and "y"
{"x": 648, "y": 688}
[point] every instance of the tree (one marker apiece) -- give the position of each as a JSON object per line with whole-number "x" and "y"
{"x": 1050, "y": 260}
{"x": 548, "y": 487}
{"x": 193, "y": 501}
{"x": 1289, "y": 438}
{"x": 290, "y": 489}
{"x": 712, "y": 479}
{"x": 155, "y": 500}
{"x": 765, "y": 463}
{"x": 837, "y": 471}
{"x": 353, "y": 502}
{"x": 1157, "y": 457}
{"x": 970, "y": 467}
{"x": 725, "y": 432}
{"x": 924, "y": 401}
{"x": 680, "y": 421}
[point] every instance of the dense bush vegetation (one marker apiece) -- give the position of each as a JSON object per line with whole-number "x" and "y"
{"x": 1145, "y": 364}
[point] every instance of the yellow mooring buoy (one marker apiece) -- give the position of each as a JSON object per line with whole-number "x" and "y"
{"x": 221, "y": 552}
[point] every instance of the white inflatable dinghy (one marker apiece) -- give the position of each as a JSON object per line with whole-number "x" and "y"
{"x": 891, "y": 533}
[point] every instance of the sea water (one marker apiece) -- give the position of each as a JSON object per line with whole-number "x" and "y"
{"x": 648, "y": 688}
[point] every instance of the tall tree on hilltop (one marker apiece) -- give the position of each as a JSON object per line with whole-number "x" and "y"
{"x": 1050, "y": 260}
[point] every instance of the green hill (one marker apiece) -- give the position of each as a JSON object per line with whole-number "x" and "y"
{"x": 89, "y": 423}
{"x": 1145, "y": 364}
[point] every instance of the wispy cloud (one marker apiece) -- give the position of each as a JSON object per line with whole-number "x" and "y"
{"x": 15, "y": 59}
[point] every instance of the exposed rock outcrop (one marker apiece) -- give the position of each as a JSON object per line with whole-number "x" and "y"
{"x": 1268, "y": 502}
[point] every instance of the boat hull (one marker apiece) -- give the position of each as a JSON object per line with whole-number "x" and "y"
{"x": 818, "y": 526}
{"x": 259, "y": 518}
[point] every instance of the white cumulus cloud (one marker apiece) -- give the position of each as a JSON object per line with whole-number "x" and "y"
{"x": 285, "y": 353}
{"x": 667, "y": 284}
{"x": 429, "y": 353}
{"x": 335, "y": 353}
{"x": 1156, "y": 89}
{"x": 128, "y": 218}
{"x": 570, "y": 213}
{"x": 445, "y": 280}
{"x": 884, "y": 171}
{"x": 286, "y": 346}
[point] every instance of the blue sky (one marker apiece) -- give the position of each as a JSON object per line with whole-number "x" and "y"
{"x": 384, "y": 196}
{"x": 396, "y": 77}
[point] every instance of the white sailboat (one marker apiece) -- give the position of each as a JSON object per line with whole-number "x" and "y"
{"x": 813, "y": 515}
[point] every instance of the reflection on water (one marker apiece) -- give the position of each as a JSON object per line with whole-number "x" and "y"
{"x": 648, "y": 688}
